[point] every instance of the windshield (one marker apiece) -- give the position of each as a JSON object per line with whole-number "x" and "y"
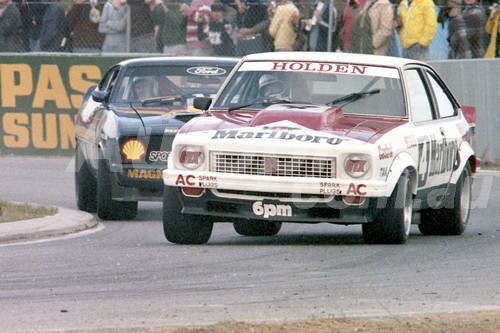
{"x": 357, "y": 89}
{"x": 168, "y": 85}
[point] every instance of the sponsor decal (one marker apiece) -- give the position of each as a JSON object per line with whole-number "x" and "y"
{"x": 383, "y": 172}
{"x": 144, "y": 174}
{"x": 355, "y": 166}
{"x": 356, "y": 189}
{"x": 330, "y": 188}
{"x": 133, "y": 150}
{"x": 190, "y": 157}
{"x": 385, "y": 152}
{"x": 436, "y": 157}
{"x": 270, "y": 210}
{"x": 319, "y": 67}
{"x": 202, "y": 70}
{"x": 201, "y": 181}
{"x": 277, "y": 135}
{"x": 158, "y": 156}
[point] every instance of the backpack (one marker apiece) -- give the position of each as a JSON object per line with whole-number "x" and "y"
{"x": 362, "y": 33}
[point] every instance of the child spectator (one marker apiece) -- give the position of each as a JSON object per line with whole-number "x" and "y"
{"x": 218, "y": 31}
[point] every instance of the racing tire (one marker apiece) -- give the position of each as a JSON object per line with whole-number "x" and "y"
{"x": 182, "y": 228}
{"x": 452, "y": 219}
{"x": 85, "y": 184}
{"x": 107, "y": 208}
{"x": 256, "y": 227}
{"x": 393, "y": 223}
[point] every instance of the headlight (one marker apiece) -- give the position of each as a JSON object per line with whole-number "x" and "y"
{"x": 357, "y": 165}
{"x": 191, "y": 157}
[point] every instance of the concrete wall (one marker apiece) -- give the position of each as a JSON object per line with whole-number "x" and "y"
{"x": 476, "y": 82}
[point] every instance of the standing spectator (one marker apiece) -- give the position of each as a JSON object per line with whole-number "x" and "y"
{"x": 349, "y": 16}
{"x": 493, "y": 29}
{"x": 173, "y": 30}
{"x": 419, "y": 25}
{"x": 10, "y": 27}
{"x": 252, "y": 22}
{"x": 381, "y": 19}
{"x": 218, "y": 31}
{"x": 158, "y": 10}
{"x": 113, "y": 25}
{"x": 319, "y": 25}
{"x": 83, "y": 22}
{"x": 142, "y": 38}
{"x": 199, "y": 10}
{"x": 54, "y": 30}
{"x": 465, "y": 32}
{"x": 281, "y": 27}
{"x": 32, "y": 12}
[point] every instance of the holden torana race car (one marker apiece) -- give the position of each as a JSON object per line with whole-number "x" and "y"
{"x": 323, "y": 137}
{"x": 126, "y": 124}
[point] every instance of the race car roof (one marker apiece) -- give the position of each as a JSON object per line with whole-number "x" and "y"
{"x": 181, "y": 61}
{"x": 332, "y": 57}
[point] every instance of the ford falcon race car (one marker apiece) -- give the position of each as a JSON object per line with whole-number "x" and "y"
{"x": 323, "y": 137}
{"x": 126, "y": 124}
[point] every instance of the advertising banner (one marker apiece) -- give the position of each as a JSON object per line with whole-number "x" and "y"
{"x": 40, "y": 95}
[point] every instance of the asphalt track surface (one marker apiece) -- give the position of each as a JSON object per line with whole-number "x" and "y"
{"x": 124, "y": 274}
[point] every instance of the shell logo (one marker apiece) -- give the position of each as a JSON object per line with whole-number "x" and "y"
{"x": 133, "y": 150}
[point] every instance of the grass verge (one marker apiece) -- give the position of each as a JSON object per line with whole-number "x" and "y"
{"x": 10, "y": 212}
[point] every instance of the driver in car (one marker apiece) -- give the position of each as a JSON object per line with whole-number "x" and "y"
{"x": 143, "y": 88}
{"x": 270, "y": 86}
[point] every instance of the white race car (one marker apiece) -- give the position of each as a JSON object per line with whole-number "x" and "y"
{"x": 323, "y": 137}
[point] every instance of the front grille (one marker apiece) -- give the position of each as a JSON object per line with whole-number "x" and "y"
{"x": 273, "y": 165}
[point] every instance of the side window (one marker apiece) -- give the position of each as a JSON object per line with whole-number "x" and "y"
{"x": 444, "y": 103}
{"x": 108, "y": 79}
{"x": 420, "y": 103}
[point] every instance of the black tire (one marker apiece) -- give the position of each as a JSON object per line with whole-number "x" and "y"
{"x": 392, "y": 225}
{"x": 85, "y": 184}
{"x": 107, "y": 208}
{"x": 452, "y": 219}
{"x": 257, "y": 227}
{"x": 182, "y": 228}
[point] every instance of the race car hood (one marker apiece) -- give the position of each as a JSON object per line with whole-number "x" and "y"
{"x": 325, "y": 119}
{"x": 156, "y": 120}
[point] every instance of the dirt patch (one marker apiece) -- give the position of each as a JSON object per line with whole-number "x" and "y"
{"x": 470, "y": 322}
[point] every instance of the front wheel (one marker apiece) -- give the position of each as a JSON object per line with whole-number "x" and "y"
{"x": 107, "y": 208}
{"x": 452, "y": 219}
{"x": 257, "y": 227}
{"x": 392, "y": 225}
{"x": 182, "y": 228}
{"x": 85, "y": 183}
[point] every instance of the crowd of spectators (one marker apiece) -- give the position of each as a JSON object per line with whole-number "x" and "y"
{"x": 240, "y": 27}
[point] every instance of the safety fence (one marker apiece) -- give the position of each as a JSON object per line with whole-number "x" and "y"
{"x": 240, "y": 27}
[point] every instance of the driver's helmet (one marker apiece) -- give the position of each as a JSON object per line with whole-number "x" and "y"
{"x": 270, "y": 86}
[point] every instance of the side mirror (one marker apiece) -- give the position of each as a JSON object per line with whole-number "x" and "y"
{"x": 202, "y": 103}
{"x": 100, "y": 96}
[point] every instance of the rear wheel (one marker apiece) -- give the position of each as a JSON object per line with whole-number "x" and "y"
{"x": 392, "y": 225}
{"x": 107, "y": 208}
{"x": 453, "y": 218}
{"x": 257, "y": 227}
{"x": 85, "y": 183}
{"x": 182, "y": 228}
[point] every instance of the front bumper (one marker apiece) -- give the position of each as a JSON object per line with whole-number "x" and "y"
{"x": 295, "y": 185}
{"x": 226, "y": 209}
{"x": 137, "y": 182}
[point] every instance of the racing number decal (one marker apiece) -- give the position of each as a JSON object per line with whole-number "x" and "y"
{"x": 436, "y": 157}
